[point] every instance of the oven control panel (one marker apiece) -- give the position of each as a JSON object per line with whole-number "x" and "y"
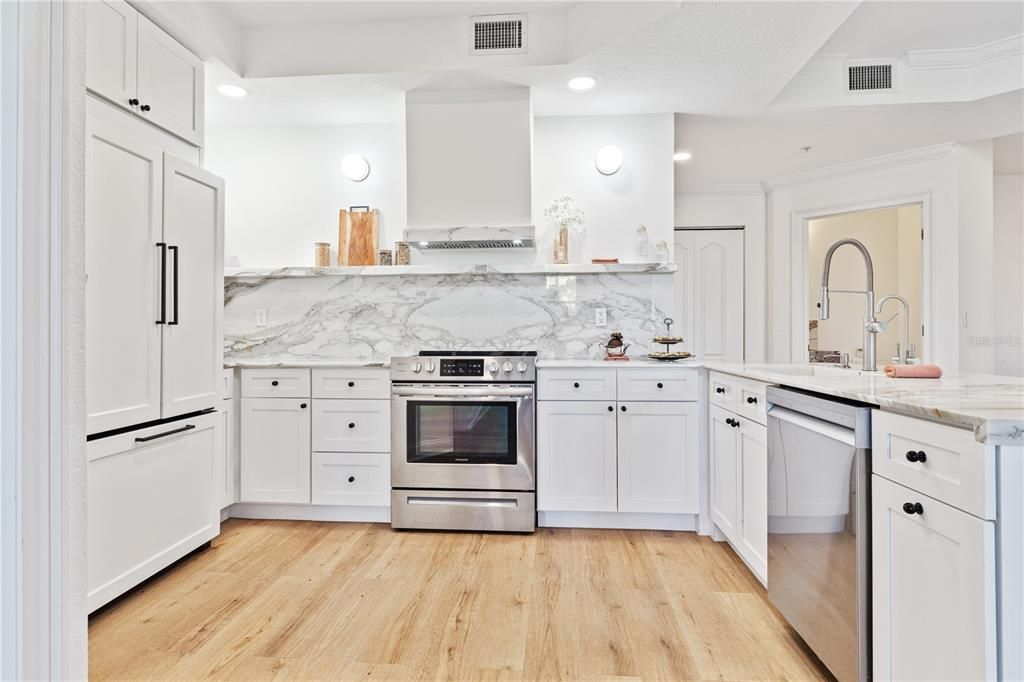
{"x": 462, "y": 367}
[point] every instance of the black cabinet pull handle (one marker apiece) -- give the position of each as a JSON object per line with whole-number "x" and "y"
{"x": 274, "y": 382}
{"x": 918, "y": 456}
{"x": 146, "y": 439}
{"x": 661, "y": 385}
{"x": 575, "y": 384}
{"x": 913, "y": 508}
{"x": 351, "y": 479}
{"x": 351, "y": 384}
{"x": 174, "y": 282}
{"x": 133, "y": 102}
{"x": 751, "y": 400}
{"x": 163, "y": 282}
{"x": 145, "y": 107}
{"x": 611, "y": 409}
{"x": 351, "y": 425}
{"x": 302, "y": 405}
{"x": 719, "y": 390}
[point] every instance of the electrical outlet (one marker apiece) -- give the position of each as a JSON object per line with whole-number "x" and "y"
{"x": 261, "y": 317}
{"x": 601, "y": 317}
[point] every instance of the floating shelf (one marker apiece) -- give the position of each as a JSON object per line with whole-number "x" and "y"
{"x": 428, "y": 270}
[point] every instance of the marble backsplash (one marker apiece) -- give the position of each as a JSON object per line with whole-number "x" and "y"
{"x": 372, "y": 318}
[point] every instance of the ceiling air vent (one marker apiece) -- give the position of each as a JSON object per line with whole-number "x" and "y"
{"x": 875, "y": 77}
{"x": 497, "y": 34}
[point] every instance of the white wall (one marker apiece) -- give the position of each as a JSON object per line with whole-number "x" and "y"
{"x": 974, "y": 211}
{"x": 730, "y": 205}
{"x": 1008, "y": 265}
{"x": 285, "y": 187}
{"x": 641, "y": 193}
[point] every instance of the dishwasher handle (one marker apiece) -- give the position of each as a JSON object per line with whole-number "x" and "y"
{"x": 813, "y": 424}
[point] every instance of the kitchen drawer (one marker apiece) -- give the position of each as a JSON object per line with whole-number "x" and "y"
{"x": 227, "y": 384}
{"x": 352, "y": 382}
{"x": 275, "y": 383}
{"x": 957, "y": 470}
{"x": 750, "y": 401}
{"x": 576, "y": 384}
{"x": 724, "y": 391}
{"x": 352, "y": 478}
{"x": 658, "y": 384}
{"x": 351, "y": 425}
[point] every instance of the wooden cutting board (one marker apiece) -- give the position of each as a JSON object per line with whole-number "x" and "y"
{"x": 357, "y": 237}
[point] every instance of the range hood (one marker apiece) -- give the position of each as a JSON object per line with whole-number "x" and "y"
{"x": 468, "y": 168}
{"x": 472, "y": 237}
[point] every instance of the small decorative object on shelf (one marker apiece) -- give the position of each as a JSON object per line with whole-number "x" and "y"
{"x": 604, "y": 261}
{"x": 402, "y": 253}
{"x": 643, "y": 243}
{"x": 668, "y": 341}
{"x": 615, "y": 349}
{"x": 564, "y": 215}
{"x": 661, "y": 251}
{"x": 322, "y": 254}
{"x": 384, "y": 257}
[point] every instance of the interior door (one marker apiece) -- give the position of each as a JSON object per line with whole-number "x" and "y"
{"x": 111, "y": 39}
{"x": 170, "y": 83}
{"x": 710, "y": 292}
{"x": 123, "y": 205}
{"x": 194, "y": 232}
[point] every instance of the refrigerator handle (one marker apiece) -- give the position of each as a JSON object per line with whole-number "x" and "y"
{"x": 163, "y": 282}
{"x": 174, "y": 283}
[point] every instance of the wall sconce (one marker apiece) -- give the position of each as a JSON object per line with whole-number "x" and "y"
{"x": 355, "y": 167}
{"x": 609, "y": 160}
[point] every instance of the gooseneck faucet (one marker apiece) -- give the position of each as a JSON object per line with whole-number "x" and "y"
{"x": 869, "y": 302}
{"x": 902, "y": 352}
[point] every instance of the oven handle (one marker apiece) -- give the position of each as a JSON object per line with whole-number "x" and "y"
{"x": 524, "y": 392}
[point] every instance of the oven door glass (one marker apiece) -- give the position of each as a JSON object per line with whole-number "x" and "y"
{"x": 461, "y": 432}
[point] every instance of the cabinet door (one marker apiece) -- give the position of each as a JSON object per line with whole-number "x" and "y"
{"x": 933, "y": 583}
{"x": 228, "y": 468}
{"x": 351, "y": 425}
{"x": 725, "y": 474}
{"x": 170, "y": 83}
{"x": 275, "y": 450}
{"x": 194, "y": 232}
{"x": 710, "y": 293}
{"x": 123, "y": 196}
{"x": 576, "y": 458}
{"x": 753, "y": 458}
{"x": 111, "y": 38}
{"x": 658, "y": 457}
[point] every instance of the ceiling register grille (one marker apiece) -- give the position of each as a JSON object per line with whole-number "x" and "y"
{"x": 869, "y": 77}
{"x": 498, "y": 34}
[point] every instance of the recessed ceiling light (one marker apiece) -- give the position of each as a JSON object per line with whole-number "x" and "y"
{"x": 229, "y": 90}
{"x": 582, "y": 83}
{"x": 424, "y": 243}
{"x": 682, "y": 156}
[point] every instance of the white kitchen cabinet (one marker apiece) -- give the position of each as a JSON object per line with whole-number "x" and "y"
{"x": 709, "y": 309}
{"x": 576, "y": 456}
{"x": 229, "y": 456}
{"x": 934, "y": 595}
{"x": 351, "y": 478}
{"x": 137, "y": 66}
{"x": 275, "y": 450}
{"x": 193, "y": 228}
{"x": 123, "y": 225}
{"x": 726, "y": 472}
{"x": 657, "y": 467}
{"x": 753, "y": 461}
{"x": 351, "y": 425}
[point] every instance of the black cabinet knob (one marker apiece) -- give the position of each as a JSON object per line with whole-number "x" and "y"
{"x": 575, "y": 384}
{"x": 351, "y": 384}
{"x": 611, "y": 409}
{"x": 274, "y": 382}
{"x": 623, "y": 408}
{"x": 661, "y": 385}
{"x": 913, "y": 508}
{"x": 751, "y": 400}
{"x": 351, "y": 425}
{"x": 351, "y": 479}
{"x": 302, "y": 405}
{"x": 719, "y": 390}
{"x": 732, "y": 422}
{"x": 145, "y": 107}
{"x": 918, "y": 456}
{"x": 133, "y": 102}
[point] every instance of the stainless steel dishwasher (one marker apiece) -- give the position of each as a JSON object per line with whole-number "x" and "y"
{"x": 819, "y": 525}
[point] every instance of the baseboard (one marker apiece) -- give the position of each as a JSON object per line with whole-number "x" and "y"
{"x": 617, "y": 520}
{"x": 308, "y": 512}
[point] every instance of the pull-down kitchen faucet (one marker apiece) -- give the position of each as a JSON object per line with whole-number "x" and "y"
{"x": 877, "y": 327}
{"x": 870, "y": 338}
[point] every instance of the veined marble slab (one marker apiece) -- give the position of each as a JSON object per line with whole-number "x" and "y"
{"x": 300, "y": 363}
{"x": 634, "y": 362}
{"x": 406, "y": 270}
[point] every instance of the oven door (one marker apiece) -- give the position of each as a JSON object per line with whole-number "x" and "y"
{"x": 469, "y": 437}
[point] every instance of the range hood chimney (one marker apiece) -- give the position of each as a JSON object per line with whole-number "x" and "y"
{"x": 468, "y": 168}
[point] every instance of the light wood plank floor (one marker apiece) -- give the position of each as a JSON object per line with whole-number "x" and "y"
{"x": 304, "y": 600}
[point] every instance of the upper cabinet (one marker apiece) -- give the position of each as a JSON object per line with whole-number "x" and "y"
{"x": 137, "y": 66}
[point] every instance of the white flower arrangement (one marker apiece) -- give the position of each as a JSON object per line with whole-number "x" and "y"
{"x": 563, "y": 211}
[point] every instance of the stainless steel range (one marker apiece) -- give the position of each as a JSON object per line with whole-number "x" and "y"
{"x": 463, "y": 441}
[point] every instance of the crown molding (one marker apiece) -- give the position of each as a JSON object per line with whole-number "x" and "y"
{"x": 747, "y": 189}
{"x": 909, "y": 157}
{"x": 966, "y": 57}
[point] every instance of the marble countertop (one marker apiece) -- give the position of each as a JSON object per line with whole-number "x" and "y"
{"x": 991, "y": 406}
{"x": 230, "y": 363}
{"x": 451, "y": 269}
{"x": 632, "y": 363}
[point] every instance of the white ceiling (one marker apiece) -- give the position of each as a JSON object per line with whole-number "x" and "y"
{"x": 889, "y": 29}
{"x": 264, "y": 13}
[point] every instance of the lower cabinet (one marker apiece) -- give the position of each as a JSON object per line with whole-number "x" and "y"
{"x": 229, "y": 464}
{"x": 933, "y": 581}
{"x": 276, "y": 450}
{"x": 657, "y": 465}
{"x": 352, "y": 478}
{"x": 576, "y": 456}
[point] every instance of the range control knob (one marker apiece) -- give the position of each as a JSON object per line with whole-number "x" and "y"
{"x": 493, "y": 367}
{"x": 521, "y": 367}
{"x": 507, "y": 367}
{"x": 417, "y": 367}
{"x": 430, "y": 365}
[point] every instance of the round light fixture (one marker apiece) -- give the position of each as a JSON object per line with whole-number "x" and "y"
{"x": 609, "y": 160}
{"x": 355, "y": 167}
{"x": 582, "y": 83}
{"x": 682, "y": 156}
{"x": 229, "y": 90}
